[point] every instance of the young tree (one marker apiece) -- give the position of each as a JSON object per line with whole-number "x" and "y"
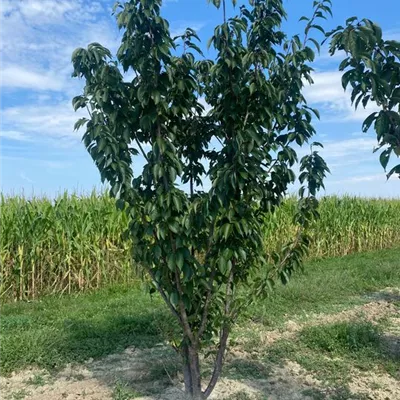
{"x": 203, "y": 248}
{"x": 372, "y": 68}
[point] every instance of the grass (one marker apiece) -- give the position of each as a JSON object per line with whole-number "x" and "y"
{"x": 343, "y": 338}
{"x": 74, "y": 244}
{"x": 55, "y": 331}
{"x": 329, "y": 285}
{"x": 36, "y": 380}
{"x": 331, "y": 352}
{"x": 123, "y": 392}
{"x": 18, "y": 395}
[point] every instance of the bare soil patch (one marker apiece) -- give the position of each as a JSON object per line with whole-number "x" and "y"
{"x": 152, "y": 374}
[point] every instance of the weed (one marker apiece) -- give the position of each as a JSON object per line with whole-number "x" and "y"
{"x": 19, "y": 395}
{"x": 36, "y": 380}
{"x": 123, "y": 392}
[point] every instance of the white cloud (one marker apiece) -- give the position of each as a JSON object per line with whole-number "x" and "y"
{"x": 40, "y": 36}
{"x": 14, "y": 135}
{"x": 43, "y": 122}
{"x": 344, "y": 148}
{"x": 327, "y": 92}
{"x": 48, "y": 164}
{"x": 335, "y": 151}
{"x": 45, "y": 11}
{"x": 38, "y": 12}
{"x": 363, "y": 178}
{"x": 14, "y": 76}
{"x": 179, "y": 27}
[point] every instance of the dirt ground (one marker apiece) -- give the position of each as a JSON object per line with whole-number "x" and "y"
{"x": 96, "y": 381}
{"x": 135, "y": 371}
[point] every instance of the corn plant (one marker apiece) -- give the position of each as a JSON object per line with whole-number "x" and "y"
{"x": 54, "y": 261}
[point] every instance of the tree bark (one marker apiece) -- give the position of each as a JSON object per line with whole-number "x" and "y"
{"x": 191, "y": 372}
{"x": 218, "y": 362}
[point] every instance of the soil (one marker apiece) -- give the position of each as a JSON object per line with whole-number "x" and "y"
{"x": 153, "y": 371}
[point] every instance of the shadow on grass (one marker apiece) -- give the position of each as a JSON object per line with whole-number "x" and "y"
{"x": 144, "y": 371}
{"x": 240, "y": 368}
{"x": 94, "y": 339}
{"x": 53, "y": 344}
{"x": 389, "y": 296}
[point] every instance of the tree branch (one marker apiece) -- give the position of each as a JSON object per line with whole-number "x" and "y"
{"x": 203, "y": 323}
{"x": 184, "y": 318}
{"x": 164, "y": 296}
{"x": 141, "y": 149}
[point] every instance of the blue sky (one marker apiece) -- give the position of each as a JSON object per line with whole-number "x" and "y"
{"x": 41, "y": 154}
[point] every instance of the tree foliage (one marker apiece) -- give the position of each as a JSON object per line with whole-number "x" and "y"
{"x": 200, "y": 247}
{"x": 372, "y": 70}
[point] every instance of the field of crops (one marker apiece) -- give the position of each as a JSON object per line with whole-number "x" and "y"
{"x": 74, "y": 243}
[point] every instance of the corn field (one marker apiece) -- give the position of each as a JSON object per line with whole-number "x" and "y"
{"x": 346, "y": 225}
{"x": 62, "y": 246}
{"x": 74, "y": 243}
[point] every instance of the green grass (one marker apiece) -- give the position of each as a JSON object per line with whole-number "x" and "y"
{"x": 332, "y": 351}
{"x": 356, "y": 343}
{"x": 343, "y": 338}
{"x": 123, "y": 392}
{"x": 55, "y": 331}
{"x": 18, "y": 395}
{"x": 329, "y": 285}
{"x": 36, "y": 380}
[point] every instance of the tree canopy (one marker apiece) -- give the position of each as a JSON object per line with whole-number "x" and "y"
{"x": 210, "y": 176}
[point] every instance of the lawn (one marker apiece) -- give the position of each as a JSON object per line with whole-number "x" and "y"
{"x": 329, "y": 321}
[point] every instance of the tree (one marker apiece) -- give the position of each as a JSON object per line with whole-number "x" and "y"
{"x": 203, "y": 250}
{"x": 372, "y": 68}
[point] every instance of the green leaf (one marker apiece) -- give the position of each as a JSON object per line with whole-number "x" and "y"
{"x": 187, "y": 272}
{"x": 351, "y": 20}
{"x": 179, "y": 260}
{"x": 382, "y": 124}
{"x": 384, "y": 158}
{"x": 79, "y": 123}
{"x": 226, "y": 229}
{"x": 394, "y": 170}
{"x": 368, "y": 121}
{"x": 171, "y": 261}
{"x": 316, "y": 44}
{"x": 346, "y": 78}
{"x": 319, "y": 28}
{"x": 174, "y": 298}
{"x": 222, "y": 265}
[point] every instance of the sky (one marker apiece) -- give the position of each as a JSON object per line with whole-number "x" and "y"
{"x": 42, "y": 155}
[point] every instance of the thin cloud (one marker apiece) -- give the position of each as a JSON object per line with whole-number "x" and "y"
{"x": 14, "y": 135}
{"x": 43, "y": 122}
{"x": 335, "y": 104}
{"x": 24, "y": 177}
{"x": 18, "y": 77}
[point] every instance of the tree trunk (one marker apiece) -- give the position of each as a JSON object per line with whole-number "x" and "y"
{"x": 191, "y": 372}
{"x": 218, "y": 362}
